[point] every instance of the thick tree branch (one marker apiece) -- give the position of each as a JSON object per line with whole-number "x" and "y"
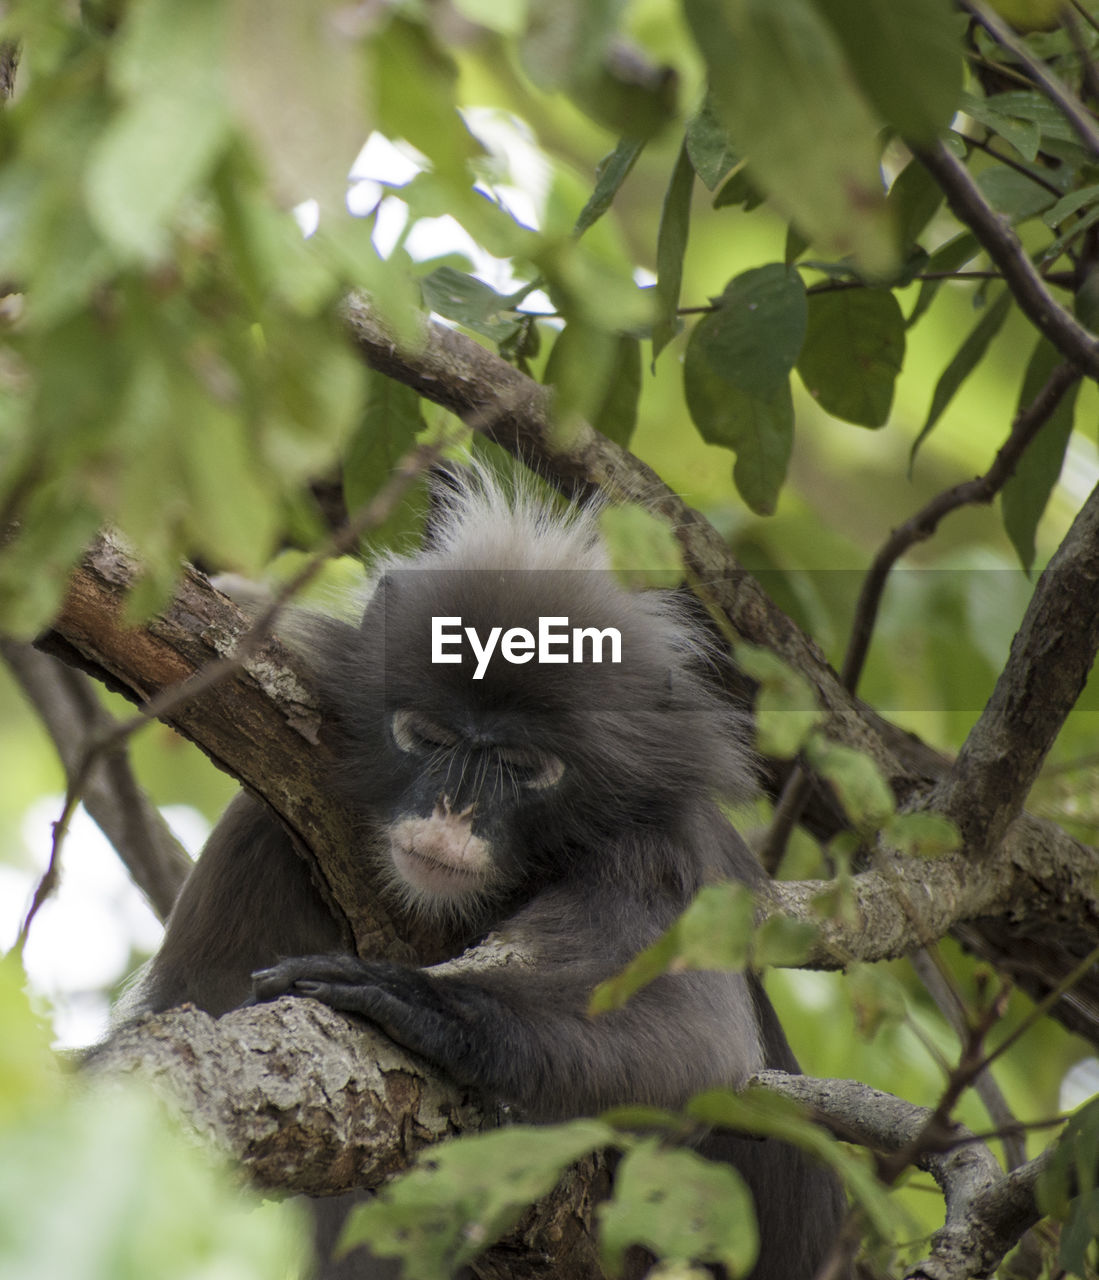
{"x": 1002, "y": 245}
{"x": 1051, "y": 656}
{"x": 74, "y": 717}
{"x": 308, "y": 1100}
{"x": 986, "y": 1212}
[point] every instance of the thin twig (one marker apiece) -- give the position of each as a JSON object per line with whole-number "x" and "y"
{"x": 1055, "y": 90}
{"x": 982, "y": 144}
{"x": 922, "y": 525}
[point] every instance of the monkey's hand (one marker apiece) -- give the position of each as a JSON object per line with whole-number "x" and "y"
{"x": 407, "y": 1005}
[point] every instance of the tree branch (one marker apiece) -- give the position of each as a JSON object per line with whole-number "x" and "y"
{"x": 74, "y": 718}
{"x": 1059, "y": 94}
{"x": 1002, "y": 245}
{"x": 1051, "y": 656}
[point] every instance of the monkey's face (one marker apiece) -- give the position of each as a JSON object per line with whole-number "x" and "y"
{"x": 465, "y": 794}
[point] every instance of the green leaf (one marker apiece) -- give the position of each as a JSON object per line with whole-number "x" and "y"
{"x": 170, "y": 129}
{"x": 671, "y": 246}
{"x": 715, "y": 932}
{"x": 463, "y": 298}
{"x": 754, "y": 336}
{"x": 966, "y": 359}
{"x": 1023, "y": 499}
{"x": 682, "y": 1207}
{"x": 914, "y": 199}
{"x": 1070, "y": 204}
{"x": 952, "y": 256}
{"x": 464, "y": 1195}
{"x": 1013, "y": 194}
{"x": 610, "y": 174}
{"x": 759, "y": 429}
{"x": 783, "y": 943}
{"x": 565, "y": 42}
{"x": 786, "y": 709}
{"x": 854, "y": 349}
{"x": 295, "y": 82}
{"x": 709, "y": 147}
{"x": 907, "y": 56}
{"x": 826, "y": 179}
{"x": 877, "y": 998}
{"x": 736, "y": 376}
{"x": 1024, "y": 135}
{"x": 642, "y": 548}
{"x": 405, "y": 54}
{"x": 863, "y": 792}
{"x": 922, "y": 834}
{"x": 596, "y": 376}
{"x": 386, "y": 431}
{"x": 755, "y": 1111}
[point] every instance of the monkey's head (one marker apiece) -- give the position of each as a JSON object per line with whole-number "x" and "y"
{"x": 512, "y": 716}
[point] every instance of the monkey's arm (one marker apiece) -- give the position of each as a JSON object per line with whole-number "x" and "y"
{"x": 528, "y": 1038}
{"x": 249, "y": 900}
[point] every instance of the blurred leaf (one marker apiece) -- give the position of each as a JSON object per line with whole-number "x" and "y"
{"x": 590, "y": 286}
{"x": 469, "y": 301}
{"x": 596, "y": 376}
{"x": 907, "y": 55}
{"x": 30, "y": 1080}
{"x": 295, "y": 82}
{"x": 565, "y": 42}
{"x": 671, "y": 246}
{"x": 170, "y": 129}
{"x": 922, "y": 834}
{"x": 854, "y": 349}
{"x": 140, "y": 1200}
{"x": 786, "y": 709}
{"x": 784, "y": 943}
{"x": 642, "y": 548}
{"x": 404, "y": 54}
{"x": 755, "y": 1111}
{"x": 682, "y": 1207}
{"x": 715, "y": 932}
{"x": 708, "y": 146}
{"x": 610, "y": 174}
{"x": 914, "y": 199}
{"x": 1023, "y": 499}
{"x": 863, "y": 792}
{"x": 386, "y": 431}
{"x": 968, "y": 356}
{"x": 463, "y": 1195}
{"x": 877, "y": 998}
{"x": 813, "y": 147}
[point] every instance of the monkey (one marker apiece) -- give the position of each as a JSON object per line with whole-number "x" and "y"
{"x": 535, "y": 754}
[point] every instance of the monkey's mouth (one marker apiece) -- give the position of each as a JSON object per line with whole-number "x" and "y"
{"x": 440, "y": 856}
{"x": 428, "y": 875}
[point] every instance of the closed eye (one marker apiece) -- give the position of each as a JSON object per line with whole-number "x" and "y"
{"x": 536, "y": 770}
{"x": 414, "y": 732}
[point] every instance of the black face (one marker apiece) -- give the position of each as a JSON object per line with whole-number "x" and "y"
{"x": 465, "y": 796}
